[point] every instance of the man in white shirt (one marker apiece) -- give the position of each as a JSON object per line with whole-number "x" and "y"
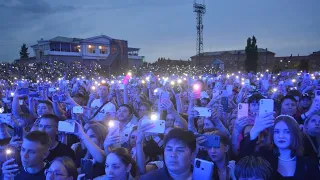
{"x": 108, "y": 109}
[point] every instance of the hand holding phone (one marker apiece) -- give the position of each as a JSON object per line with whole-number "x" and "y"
{"x": 77, "y": 110}
{"x": 243, "y": 110}
{"x": 87, "y": 168}
{"x": 202, "y": 169}
{"x": 203, "y": 112}
{"x": 65, "y": 126}
{"x": 158, "y": 125}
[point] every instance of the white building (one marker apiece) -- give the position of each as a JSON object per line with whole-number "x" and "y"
{"x": 101, "y": 49}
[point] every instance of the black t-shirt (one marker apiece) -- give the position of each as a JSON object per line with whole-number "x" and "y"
{"x": 23, "y": 175}
{"x": 61, "y": 150}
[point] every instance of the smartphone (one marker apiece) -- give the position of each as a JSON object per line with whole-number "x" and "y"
{"x": 247, "y": 82}
{"x": 34, "y": 94}
{"x": 202, "y": 169}
{"x": 266, "y": 106}
{"x": 203, "y": 112}
{"x": 6, "y": 100}
{"x": 87, "y": 168}
{"x": 229, "y": 89}
{"x": 52, "y": 89}
{"x": 18, "y": 132}
{"x": 243, "y": 110}
{"x": 55, "y": 98}
{"x": 114, "y": 126}
{"x": 159, "y": 125}
{"x": 212, "y": 140}
{"x": 77, "y": 110}
{"x": 5, "y": 117}
{"x": 65, "y": 126}
{"x": 121, "y": 86}
{"x": 225, "y": 104}
{"x": 164, "y": 96}
{"x": 62, "y": 98}
{"x": 176, "y": 89}
{"x": 23, "y": 91}
{"x": 217, "y": 85}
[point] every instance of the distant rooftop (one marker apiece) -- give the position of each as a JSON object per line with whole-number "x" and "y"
{"x": 216, "y": 53}
{"x": 66, "y": 39}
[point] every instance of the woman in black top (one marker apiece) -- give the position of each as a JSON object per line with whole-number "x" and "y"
{"x": 219, "y": 156}
{"x": 286, "y": 150}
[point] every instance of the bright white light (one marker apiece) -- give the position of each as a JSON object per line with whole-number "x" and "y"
{"x": 103, "y": 81}
{"x": 275, "y": 90}
{"x": 196, "y": 87}
{"x": 154, "y": 117}
{"x": 143, "y": 82}
{"x": 8, "y": 151}
{"x": 12, "y": 94}
{"x": 111, "y": 124}
{"x": 93, "y": 88}
{"x": 293, "y": 80}
{"x": 172, "y": 83}
{"x": 179, "y": 81}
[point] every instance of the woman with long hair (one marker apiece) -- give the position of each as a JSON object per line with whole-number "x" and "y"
{"x": 285, "y": 153}
{"x": 220, "y": 156}
{"x": 119, "y": 165}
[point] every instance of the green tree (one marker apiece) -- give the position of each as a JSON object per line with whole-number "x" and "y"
{"x": 251, "y": 62}
{"x": 24, "y": 52}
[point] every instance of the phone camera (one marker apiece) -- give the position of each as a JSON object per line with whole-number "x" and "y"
{"x": 198, "y": 163}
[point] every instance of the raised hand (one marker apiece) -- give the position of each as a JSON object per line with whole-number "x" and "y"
{"x": 16, "y": 142}
{"x": 112, "y": 138}
{"x": 240, "y": 124}
{"x": 9, "y": 169}
{"x": 261, "y": 123}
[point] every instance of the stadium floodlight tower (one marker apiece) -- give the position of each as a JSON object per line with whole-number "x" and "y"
{"x": 200, "y": 10}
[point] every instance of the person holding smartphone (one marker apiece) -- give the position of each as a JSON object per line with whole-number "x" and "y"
{"x": 49, "y": 123}
{"x": 34, "y": 150}
{"x": 286, "y": 155}
{"x": 219, "y": 155}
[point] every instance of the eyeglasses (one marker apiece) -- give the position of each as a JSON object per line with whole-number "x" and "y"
{"x": 47, "y": 172}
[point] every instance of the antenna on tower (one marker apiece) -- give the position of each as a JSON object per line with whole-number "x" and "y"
{"x": 200, "y": 10}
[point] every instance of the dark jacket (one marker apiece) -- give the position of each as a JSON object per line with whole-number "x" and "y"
{"x": 306, "y": 168}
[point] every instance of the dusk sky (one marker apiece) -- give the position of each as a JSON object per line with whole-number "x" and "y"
{"x": 164, "y": 28}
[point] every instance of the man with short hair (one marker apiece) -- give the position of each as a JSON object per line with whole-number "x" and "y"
{"x": 34, "y": 150}
{"x": 179, "y": 153}
{"x": 49, "y": 123}
{"x": 101, "y": 107}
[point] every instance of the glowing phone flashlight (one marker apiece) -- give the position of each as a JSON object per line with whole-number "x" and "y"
{"x": 154, "y": 117}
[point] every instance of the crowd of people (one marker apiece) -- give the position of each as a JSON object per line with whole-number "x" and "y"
{"x": 158, "y": 123}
